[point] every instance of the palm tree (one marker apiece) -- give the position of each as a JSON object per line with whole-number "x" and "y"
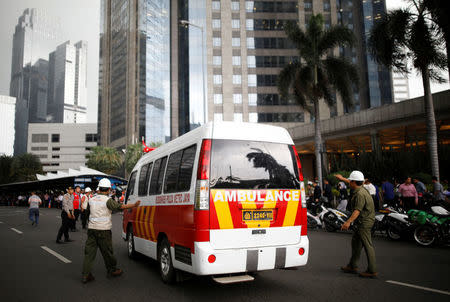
{"x": 318, "y": 72}
{"x": 440, "y": 12}
{"x": 105, "y": 159}
{"x": 404, "y": 35}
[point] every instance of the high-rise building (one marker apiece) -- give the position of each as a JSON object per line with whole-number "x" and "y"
{"x": 67, "y": 94}
{"x": 400, "y": 86}
{"x": 7, "y": 112}
{"x": 36, "y": 83}
{"x": 36, "y": 34}
{"x": 163, "y": 63}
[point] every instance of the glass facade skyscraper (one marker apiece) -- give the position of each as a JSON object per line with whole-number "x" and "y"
{"x": 36, "y": 34}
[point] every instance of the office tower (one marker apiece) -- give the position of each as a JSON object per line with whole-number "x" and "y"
{"x": 36, "y": 83}
{"x": 67, "y": 94}
{"x": 7, "y": 111}
{"x": 36, "y": 34}
{"x": 162, "y": 65}
{"x": 400, "y": 86}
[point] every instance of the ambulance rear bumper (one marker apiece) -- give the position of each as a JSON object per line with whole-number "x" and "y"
{"x": 229, "y": 261}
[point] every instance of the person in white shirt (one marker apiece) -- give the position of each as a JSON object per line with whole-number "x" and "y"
{"x": 372, "y": 191}
{"x": 85, "y": 199}
{"x": 34, "y": 202}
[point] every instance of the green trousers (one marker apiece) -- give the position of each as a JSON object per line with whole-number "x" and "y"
{"x": 102, "y": 240}
{"x": 362, "y": 237}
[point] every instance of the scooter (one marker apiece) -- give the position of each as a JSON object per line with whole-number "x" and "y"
{"x": 315, "y": 221}
{"x": 334, "y": 219}
{"x": 396, "y": 224}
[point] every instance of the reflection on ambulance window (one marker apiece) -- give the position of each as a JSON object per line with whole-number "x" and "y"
{"x": 252, "y": 165}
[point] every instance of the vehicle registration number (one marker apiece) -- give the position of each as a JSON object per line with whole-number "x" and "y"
{"x": 257, "y": 215}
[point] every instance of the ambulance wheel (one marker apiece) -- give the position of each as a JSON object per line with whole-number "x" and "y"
{"x": 130, "y": 244}
{"x": 166, "y": 268}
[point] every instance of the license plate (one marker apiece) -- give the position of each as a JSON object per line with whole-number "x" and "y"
{"x": 257, "y": 215}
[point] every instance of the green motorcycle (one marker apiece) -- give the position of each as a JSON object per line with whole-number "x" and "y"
{"x": 432, "y": 227}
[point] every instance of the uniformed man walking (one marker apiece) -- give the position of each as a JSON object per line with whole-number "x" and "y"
{"x": 66, "y": 216}
{"x": 363, "y": 217}
{"x": 100, "y": 208}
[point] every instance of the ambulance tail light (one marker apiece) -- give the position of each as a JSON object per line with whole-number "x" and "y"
{"x": 202, "y": 187}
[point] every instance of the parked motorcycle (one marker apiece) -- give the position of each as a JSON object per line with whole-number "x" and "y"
{"x": 334, "y": 219}
{"x": 394, "y": 222}
{"x": 433, "y": 227}
{"x": 315, "y": 212}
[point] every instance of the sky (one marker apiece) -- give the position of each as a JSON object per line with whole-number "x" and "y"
{"x": 80, "y": 20}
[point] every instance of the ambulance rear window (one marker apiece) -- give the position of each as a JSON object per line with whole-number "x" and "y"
{"x": 252, "y": 165}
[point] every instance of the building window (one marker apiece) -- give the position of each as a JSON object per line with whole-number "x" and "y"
{"x": 218, "y": 117}
{"x": 326, "y": 5}
{"x": 235, "y": 23}
{"x": 251, "y": 61}
{"x": 249, "y": 24}
{"x": 253, "y": 117}
{"x": 273, "y": 6}
{"x": 251, "y": 43}
{"x": 309, "y": 5}
{"x": 55, "y": 156}
{"x": 39, "y": 138}
{"x": 236, "y": 60}
{"x": 237, "y": 117}
{"x": 56, "y": 148}
{"x": 55, "y": 138}
{"x": 217, "y": 60}
{"x": 217, "y": 79}
{"x": 252, "y": 80}
{"x": 235, "y": 5}
{"x": 249, "y": 6}
{"x": 217, "y": 99}
{"x": 252, "y": 99}
{"x": 236, "y": 42}
{"x": 216, "y": 5}
{"x": 39, "y": 148}
{"x": 237, "y": 79}
{"x": 237, "y": 98}
{"x": 217, "y": 42}
{"x": 42, "y": 155}
{"x": 289, "y": 117}
{"x": 88, "y": 149}
{"x": 91, "y": 137}
{"x": 216, "y": 23}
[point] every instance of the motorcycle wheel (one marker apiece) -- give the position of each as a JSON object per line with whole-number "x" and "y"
{"x": 312, "y": 223}
{"x": 424, "y": 235}
{"x": 329, "y": 224}
{"x": 393, "y": 233}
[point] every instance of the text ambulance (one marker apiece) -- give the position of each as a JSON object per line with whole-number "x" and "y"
{"x": 226, "y": 198}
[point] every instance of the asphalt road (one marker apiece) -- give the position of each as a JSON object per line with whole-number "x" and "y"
{"x": 30, "y": 273}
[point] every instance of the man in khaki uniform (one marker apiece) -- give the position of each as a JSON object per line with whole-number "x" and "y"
{"x": 100, "y": 208}
{"x": 363, "y": 217}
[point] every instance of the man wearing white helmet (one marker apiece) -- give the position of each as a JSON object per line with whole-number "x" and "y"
{"x": 363, "y": 217}
{"x": 100, "y": 208}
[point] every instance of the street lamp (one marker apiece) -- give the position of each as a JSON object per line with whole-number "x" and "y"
{"x": 186, "y": 24}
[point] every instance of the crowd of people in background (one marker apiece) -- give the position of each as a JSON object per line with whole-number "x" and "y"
{"x": 409, "y": 194}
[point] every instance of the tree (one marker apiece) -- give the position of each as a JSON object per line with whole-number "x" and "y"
{"x": 404, "y": 35}
{"x": 5, "y": 169}
{"x": 132, "y": 155}
{"x": 105, "y": 159}
{"x": 25, "y": 167}
{"x": 440, "y": 12}
{"x": 318, "y": 73}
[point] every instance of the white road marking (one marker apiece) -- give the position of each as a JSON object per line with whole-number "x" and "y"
{"x": 419, "y": 287}
{"x": 60, "y": 257}
{"x": 16, "y": 230}
{"x": 1, "y": 222}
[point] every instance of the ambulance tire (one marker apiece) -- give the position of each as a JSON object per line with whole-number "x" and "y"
{"x": 166, "y": 269}
{"x": 130, "y": 244}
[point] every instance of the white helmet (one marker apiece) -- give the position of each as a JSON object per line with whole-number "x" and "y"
{"x": 87, "y": 190}
{"x": 356, "y": 176}
{"x": 104, "y": 183}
